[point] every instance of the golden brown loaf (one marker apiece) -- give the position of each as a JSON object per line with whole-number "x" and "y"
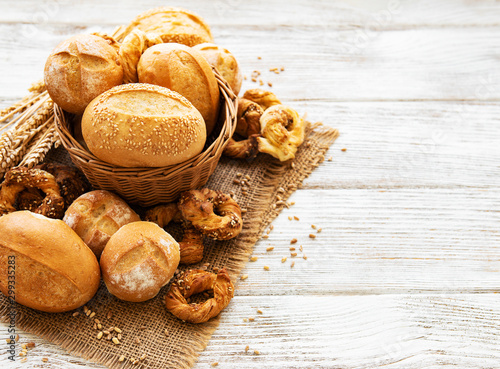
{"x": 143, "y": 125}
{"x": 224, "y": 61}
{"x": 79, "y": 69}
{"x": 172, "y": 25}
{"x": 138, "y": 261}
{"x": 185, "y": 70}
{"x": 54, "y": 270}
{"x": 96, "y": 216}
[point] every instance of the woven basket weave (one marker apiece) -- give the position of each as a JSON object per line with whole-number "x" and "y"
{"x": 151, "y": 186}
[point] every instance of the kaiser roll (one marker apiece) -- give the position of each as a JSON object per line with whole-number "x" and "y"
{"x": 185, "y": 70}
{"x": 79, "y": 69}
{"x": 44, "y": 264}
{"x": 143, "y": 125}
{"x": 225, "y": 62}
{"x": 96, "y": 215}
{"x": 138, "y": 261}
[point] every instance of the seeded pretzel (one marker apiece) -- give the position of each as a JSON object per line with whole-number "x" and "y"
{"x": 213, "y": 213}
{"x": 17, "y": 179}
{"x": 196, "y": 281}
{"x": 191, "y": 245}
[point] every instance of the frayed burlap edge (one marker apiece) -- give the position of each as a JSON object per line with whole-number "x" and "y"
{"x": 280, "y": 179}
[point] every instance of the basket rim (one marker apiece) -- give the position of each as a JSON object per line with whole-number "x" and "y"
{"x": 85, "y": 157}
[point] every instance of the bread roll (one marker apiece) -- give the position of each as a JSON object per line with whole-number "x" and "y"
{"x": 95, "y": 216}
{"x": 79, "y": 69}
{"x": 138, "y": 261}
{"x": 172, "y": 25}
{"x": 142, "y": 125}
{"x": 185, "y": 70}
{"x": 225, "y": 62}
{"x": 45, "y": 263}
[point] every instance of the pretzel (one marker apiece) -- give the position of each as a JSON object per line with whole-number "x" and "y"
{"x": 196, "y": 281}
{"x": 191, "y": 246}
{"x": 17, "y": 179}
{"x": 198, "y": 206}
{"x": 68, "y": 179}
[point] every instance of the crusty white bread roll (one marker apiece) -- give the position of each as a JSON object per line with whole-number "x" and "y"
{"x": 138, "y": 260}
{"x": 184, "y": 70}
{"x": 79, "y": 69}
{"x": 224, "y": 61}
{"x": 96, "y": 215}
{"x": 49, "y": 267}
{"x": 143, "y": 125}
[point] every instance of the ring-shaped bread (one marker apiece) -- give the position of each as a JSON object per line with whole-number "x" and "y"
{"x": 17, "y": 179}
{"x": 196, "y": 281}
{"x": 213, "y": 213}
{"x": 191, "y": 245}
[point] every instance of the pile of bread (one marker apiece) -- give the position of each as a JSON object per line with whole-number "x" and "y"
{"x": 56, "y": 265}
{"x": 150, "y": 100}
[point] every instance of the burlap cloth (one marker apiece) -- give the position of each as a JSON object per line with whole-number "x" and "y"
{"x": 149, "y": 320}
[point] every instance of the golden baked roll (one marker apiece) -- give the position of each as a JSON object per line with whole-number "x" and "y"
{"x": 185, "y": 70}
{"x": 138, "y": 261}
{"x": 96, "y": 215}
{"x": 172, "y": 25}
{"x": 143, "y": 125}
{"x": 79, "y": 69}
{"x": 225, "y": 62}
{"x": 54, "y": 270}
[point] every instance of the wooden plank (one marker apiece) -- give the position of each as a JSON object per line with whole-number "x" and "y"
{"x": 408, "y": 144}
{"x": 381, "y": 241}
{"x": 375, "y": 14}
{"x": 393, "y": 331}
{"x": 424, "y": 64}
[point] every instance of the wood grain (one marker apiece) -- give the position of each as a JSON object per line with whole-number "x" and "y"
{"x": 405, "y": 271}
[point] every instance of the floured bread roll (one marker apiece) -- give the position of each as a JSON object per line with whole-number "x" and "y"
{"x": 143, "y": 125}
{"x": 79, "y": 69}
{"x": 225, "y": 62}
{"x": 172, "y": 25}
{"x": 138, "y": 261}
{"x": 186, "y": 71}
{"x": 95, "y": 216}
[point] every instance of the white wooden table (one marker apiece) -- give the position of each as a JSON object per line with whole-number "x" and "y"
{"x": 406, "y": 270}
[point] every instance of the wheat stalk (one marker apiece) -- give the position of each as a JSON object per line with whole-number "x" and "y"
{"x": 41, "y": 146}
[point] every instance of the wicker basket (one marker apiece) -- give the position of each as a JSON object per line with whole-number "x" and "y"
{"x": 150, "y": 186}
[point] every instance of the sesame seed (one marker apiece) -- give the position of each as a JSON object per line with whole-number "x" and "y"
{"x": 266, "y": 267}
{"x": 312, "y": 236}
{"x": 244, "y": 276}
{"x": 247, "y": 348}
{"x": 254, "y": 258}
{"x": 271, "y": 248}
{"x": 283, "y": 259}
{"x": 293, "y": 254}
{"x": 294, "y": 240}
{"x": 292, "y": 265}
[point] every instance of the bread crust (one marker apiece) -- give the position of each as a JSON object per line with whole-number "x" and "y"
{"x": 96, "y": 215}
{"x": 143, "y": 125}
{"x": 184, "y": 70}
{"x": 54, "y": 271}
{"x": 79, "y": 69}
{"x": 138, "y": 261}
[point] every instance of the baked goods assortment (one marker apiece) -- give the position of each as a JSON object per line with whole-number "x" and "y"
{"x": 267, "y": 126}
{"x": 146, "y": 97}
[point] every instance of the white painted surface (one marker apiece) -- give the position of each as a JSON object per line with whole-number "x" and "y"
{"x": 406, "y": 269}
